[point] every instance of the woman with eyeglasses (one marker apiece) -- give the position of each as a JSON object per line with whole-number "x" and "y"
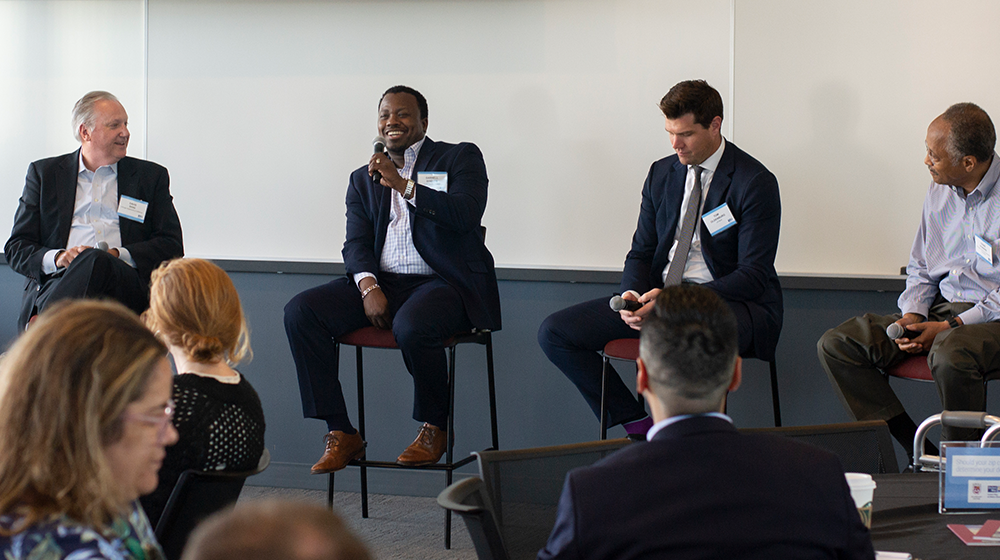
{"x": 195, "y": 310}
{"x": 85, "y": 413}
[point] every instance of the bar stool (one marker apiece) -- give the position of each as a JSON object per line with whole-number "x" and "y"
{"x": 915, "y": 368}
{"x": 371, "y": 337}
{"x": 628, "y": 349}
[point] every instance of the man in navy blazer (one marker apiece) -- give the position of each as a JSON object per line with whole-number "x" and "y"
{"x": 730, "y": 250}
{"x": 698, "y": 488}
{"x": 417, "y": 263}
{"x": 93, "y": 197}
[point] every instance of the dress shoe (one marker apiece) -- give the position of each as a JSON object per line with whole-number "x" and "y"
{"x": 427, "y": 449}
{"x": 341, "y": 449}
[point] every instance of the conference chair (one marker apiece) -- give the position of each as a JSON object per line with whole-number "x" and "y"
{"x": 522, "y": 488}
{"x": 371, "y": 337}
{"x": 864, "y": 447}
{"x": 197, "y": 495}
{"x": 468, "y": 498}
{"x": 627, "y": 349}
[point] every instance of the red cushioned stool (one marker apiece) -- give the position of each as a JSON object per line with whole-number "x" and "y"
{"x": 628, "y": 349}
{"x": 915, "y": 368}
{"x": 371, "y": 337}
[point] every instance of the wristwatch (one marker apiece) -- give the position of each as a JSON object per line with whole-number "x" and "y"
{"x": 953, "y": 323}
{"x": 408, "y": 193}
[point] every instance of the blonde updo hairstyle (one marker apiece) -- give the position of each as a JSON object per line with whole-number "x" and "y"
{"x": 193, "y": 305}
{"x": 64, "y": 388}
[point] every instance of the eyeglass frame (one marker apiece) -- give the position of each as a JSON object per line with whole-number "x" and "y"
{"x": 161, "y": 421}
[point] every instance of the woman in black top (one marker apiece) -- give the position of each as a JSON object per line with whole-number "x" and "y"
{"x": 195, "y": 310}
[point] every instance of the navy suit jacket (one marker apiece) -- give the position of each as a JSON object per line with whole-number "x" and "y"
{"x": 45, "y": 213}
{"x": 700, "y": 489}
{"x": 741, "y": 258}
{"x": 446, "y": 226}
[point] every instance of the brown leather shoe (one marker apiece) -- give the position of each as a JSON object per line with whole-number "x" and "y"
{"x": 341, "y": 449}
{"x": 427, "y": 449}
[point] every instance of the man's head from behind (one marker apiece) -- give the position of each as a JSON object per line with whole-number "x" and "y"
{"x": 688, "y": 352}
{"x": 275, "y": 529}
{"x": 693, "y": 111}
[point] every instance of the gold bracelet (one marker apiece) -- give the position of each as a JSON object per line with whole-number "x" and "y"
{"x": 369, "y": 289}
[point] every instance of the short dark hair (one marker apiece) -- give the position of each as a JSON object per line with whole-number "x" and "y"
{"x": 695, "y": 97}
{"x": 972, "y": 132}
{"x": 689, "y": 343}
{"x": 421, "y": 101}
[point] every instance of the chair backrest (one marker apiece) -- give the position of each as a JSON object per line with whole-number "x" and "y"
{"x": 523, "y": 487}
{"x": 197, "y": 495}
{"x": 864, "y": 447}
{"x": 468, "y": 498}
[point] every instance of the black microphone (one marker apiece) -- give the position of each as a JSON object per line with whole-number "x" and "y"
{"x": 896, "y": 331}
{"x": 619, "y": 303}
{"x": 102, "y": 245}
{"x": 379, "y": 145}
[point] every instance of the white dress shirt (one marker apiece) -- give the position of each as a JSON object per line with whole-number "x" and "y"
{"x": 95, "y": 214}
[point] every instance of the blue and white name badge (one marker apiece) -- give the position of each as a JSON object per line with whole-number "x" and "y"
{"x": 970, "y": 479}
{"x": 719, "y": 219}
{"x": 437, "y": 180}
{"x": 132, "y": 208}
{"x": 984, "y": 249}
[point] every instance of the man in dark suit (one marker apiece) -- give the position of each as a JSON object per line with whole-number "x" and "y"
{"x": 728, "y": 245}
{"x": 417, "y": 263}
{"x": 93, "y": 197}
{"x": 698, "y": 488}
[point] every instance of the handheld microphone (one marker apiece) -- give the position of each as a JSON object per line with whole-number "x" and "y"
{"x": 378, "y": 144}
{"x": 896, "y": 331}
{"x": 619, "y": 303}
{"x": 102, "y": 245}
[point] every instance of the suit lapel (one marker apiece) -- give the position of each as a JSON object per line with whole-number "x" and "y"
{"x": 721, "y": 179}
{"x": 427, "y": 150}
{"x": 128, "y": 185}
{"x": 66, "y": 195}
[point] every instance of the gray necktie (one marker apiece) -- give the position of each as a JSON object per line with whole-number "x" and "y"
{"x": 675, "y": 270}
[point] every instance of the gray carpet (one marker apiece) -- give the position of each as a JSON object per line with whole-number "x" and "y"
{"x": 397, "y": 526}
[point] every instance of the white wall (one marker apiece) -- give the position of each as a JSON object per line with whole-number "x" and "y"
{"x": 260, "y": 109}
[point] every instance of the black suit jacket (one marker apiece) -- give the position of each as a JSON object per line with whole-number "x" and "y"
{"x": 45, "y": 214}
{"x": 446, "y": 226}
{"x": 741, "y": 258}
{"x": 700, "y": 489}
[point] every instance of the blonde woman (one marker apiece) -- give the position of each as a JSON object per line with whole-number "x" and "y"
{"x": 85, "y": 415}
{"x": 195, "y": 310}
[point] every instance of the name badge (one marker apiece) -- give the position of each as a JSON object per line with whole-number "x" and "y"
{"x": 132, "y": 208}
{"x": 984, "y": 249}
{"x": 719, "y": 219}
{"x": 437, "y": 180}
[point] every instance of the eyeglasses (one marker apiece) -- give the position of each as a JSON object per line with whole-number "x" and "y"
{"x": 160, "y": 421}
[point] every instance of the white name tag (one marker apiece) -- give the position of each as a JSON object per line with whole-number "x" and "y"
{"x": 437, "y": 180}
{"x": 719, "y": 219}
{"x": 984, "y": 249}
{"x": 132, "y": 208}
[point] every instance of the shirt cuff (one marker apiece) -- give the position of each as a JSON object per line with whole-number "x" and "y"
{"x": 49, "y": 261}
{"x": 124, "y": 255}
{"x": 361, "y": 276}
{"x": 634, "y": 293}
{"x": 972, "y": 316}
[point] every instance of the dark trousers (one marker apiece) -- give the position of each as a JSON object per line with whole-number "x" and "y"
{"x": 855, "y": 353}
{"x": 96, "y": 274}
{"x": 574, "y": 337}
{"x": 425, "y": 311}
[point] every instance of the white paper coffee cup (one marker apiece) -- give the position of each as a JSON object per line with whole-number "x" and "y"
{"x": 862, "y": 490}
